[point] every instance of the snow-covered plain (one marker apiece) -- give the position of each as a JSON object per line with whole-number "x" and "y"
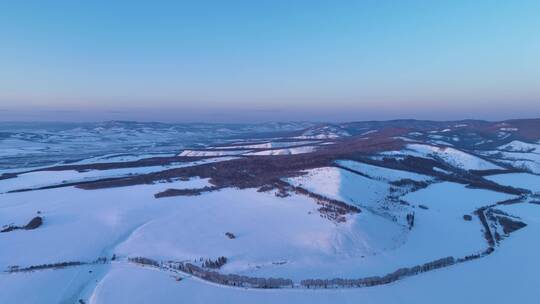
{"x": 268, "y": 229}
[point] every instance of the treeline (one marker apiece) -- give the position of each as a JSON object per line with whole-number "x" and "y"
{"x": 215, "y": 264}
{"x": 15, "y": 268}
{"x": 33, "y": 224}
{"x": 184, "y": 192}
{"x": 410, "y": 220}
{"x": 44, "y": 266}
{"x": 331, "y": 209}
{"x": 487, "y": 231}
{"x": 232, "y": 279}
{"x": 257, "y": 282}
{"x": 377, "y": 280}
{"x": 144, "y": 261}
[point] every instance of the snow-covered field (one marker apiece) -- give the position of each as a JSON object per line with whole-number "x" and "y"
{"x": 382, "y": 173}
{"x": 518, "y": 180}
{"x": 493, "y": 279}
{"x": 267, "y": 230}
{"x": 39, "y": 179}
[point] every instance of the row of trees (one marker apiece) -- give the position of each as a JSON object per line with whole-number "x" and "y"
{"x": 410, "y": 220}
{"x": 232, "y": 279}
{"x": 377, "y": 280}
{"x": 33, "y": 224}
{"x": 144, "y": 261}
{"x": 44, "y": 266}
{"x": 215, "y": 264}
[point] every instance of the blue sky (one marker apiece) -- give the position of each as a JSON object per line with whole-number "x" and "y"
{"x": 269, "y": 60}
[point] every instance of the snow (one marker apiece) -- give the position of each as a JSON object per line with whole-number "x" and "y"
{"x": 101, "y": 218}
{"x": 443, "y": 220}
{"x": 111, "y": 158}
{"x": 51, "y": 286}
{"x": 320, "y": 136}
{"x": 268, "y": 145}
{"x": 40, "y": 179}
{"x": 288, "y": 151}
{"x": 275, "y": 237}
{"x": 517, "y": 180}
{"x": 452, "y": 157}
{"x": 404, "y": 138}
{"x": 381, "y": 173}
{"x": 519, "y": 146}
{"x": 212, "y": 153}
{"x": 36, "y": 144}
{"x": 441, "y": 170}
{"x": 324, "y": 132}
{"x": 368, "y": 132}
{"x": 440, "y": 142}
{"x": 442, "y": 197}
{"x": 129, "y": 221}
{"x": 498, "y": 278}
{"x": 527, "y": 165}
{"x": 268, "y": 230}
{"x": 339, "y": 184}
{"x": 529, "y": 161}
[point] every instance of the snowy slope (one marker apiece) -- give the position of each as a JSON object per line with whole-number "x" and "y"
{"x": 342, "y": 185}
{"x": 451, "y": 156}
{"x": 528, "y": 161}
{"x": 518, "y": 180}
{"x": 274, "y": 236}
{"x": 102, "y": 218}
{"x": 519, "y": 146}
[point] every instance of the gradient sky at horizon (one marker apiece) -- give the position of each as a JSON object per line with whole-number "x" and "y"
{"x": 228, "y": 61}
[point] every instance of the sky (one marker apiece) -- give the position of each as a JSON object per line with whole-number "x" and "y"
{"x": 249, "y": 61}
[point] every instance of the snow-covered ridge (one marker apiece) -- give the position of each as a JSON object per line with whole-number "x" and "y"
{"x": 342, "y": 185}
{"x": 267, "y": 145}
{"x": 451, "y": 156}
{"x": 519, "y": 146}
